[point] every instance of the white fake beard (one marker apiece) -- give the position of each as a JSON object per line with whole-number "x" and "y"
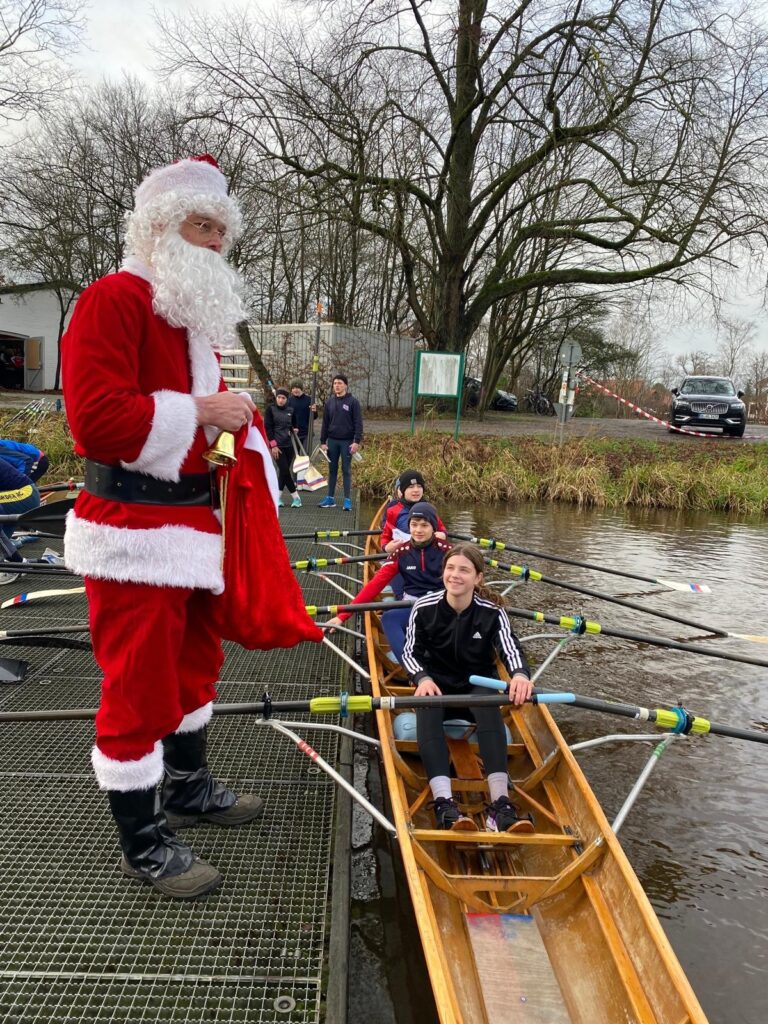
{"x": 194, "y": 287}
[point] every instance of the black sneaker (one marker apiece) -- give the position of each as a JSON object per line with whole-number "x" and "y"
{"x": 449, "y": 815}
{"x": 503, "y": 817}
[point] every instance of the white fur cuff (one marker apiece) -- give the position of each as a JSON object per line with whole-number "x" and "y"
{"x": 169, "y": 556}
{"x": 170, "y": 437}
{"x": 196, "y": 720}
{"x": 125, "y": 776}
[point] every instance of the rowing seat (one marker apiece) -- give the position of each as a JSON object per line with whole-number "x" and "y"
{"x": 461, "y": 736}
{"x": 404, "y": 728}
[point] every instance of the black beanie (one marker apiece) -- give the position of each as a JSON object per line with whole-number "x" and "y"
{"x": 282, "y": 391}
{"x": 423, "y": 510}
{"x": 341, "y": 376}
{"x": 410, "y": 476}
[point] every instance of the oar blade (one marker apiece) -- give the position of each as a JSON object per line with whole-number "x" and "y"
{"x": 686, "y": 588}
{"x": 36, "y": 595}
{"x": 751, "y": 637}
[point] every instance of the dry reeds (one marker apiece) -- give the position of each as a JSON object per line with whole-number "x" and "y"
{"x": 589, "y": 472}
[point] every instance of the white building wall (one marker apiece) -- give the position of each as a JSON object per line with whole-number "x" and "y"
{"x": 35, "y": 315}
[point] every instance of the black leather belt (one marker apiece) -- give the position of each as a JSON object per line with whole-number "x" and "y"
{"x": 117, "y": 484}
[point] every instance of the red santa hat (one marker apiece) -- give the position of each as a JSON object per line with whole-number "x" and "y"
{"x": 194, "y": 185}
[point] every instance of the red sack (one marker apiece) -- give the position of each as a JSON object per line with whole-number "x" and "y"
{"x": 262, "y": 606}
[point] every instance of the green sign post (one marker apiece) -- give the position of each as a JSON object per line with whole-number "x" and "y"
{"x": 438, "y": 375}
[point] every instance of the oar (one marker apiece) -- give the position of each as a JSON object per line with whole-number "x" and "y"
{"x": 323, "y": 563}
{"x": 70, "y": 485}
{"x": 330, "y": 534}
{"x": 674, "y": 719}
{"x": 498, "y": 545}
{"x": 576, "y": 624}
{"x": 19, "y": 634}
{"x": 526, "y": 573}
{"x": 42, "y": 639}
{"x": 36, "y": 568}
{"x": 20, "y": 599}
{"x": 50, "y": 516}
{"x": 332, "y": 705}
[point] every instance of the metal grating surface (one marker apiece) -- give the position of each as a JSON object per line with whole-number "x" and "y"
{"x": 80, "y": 942}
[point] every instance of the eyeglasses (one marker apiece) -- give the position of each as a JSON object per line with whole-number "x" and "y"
{"x": 206, "y": 229}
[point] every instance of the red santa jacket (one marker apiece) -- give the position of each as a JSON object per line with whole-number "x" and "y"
{"x": 129, "y": 379}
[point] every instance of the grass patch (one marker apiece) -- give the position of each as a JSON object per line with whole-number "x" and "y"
{"x": 587, "y": 472}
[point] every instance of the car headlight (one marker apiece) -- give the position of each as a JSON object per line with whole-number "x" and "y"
{"x": 738, "y": 406}
{"x": 682, "y": 406}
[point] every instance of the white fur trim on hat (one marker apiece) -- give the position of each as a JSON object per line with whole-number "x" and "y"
{"x": 170, "y": 438}
{"x": 188, "y": 186}
{"x": 125, "y": 776}
{"x": 169, "y": 556}
{"x": 185, "y": 177}
{"x": 196, "y": 720}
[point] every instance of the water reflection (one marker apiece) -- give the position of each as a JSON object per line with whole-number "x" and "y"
{"x": 698, "y": 835}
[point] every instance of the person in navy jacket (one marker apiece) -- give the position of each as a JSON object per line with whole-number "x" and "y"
{"x": 420, "y": 563}
{"x": 18, "y": 494}
{"x": 341, "y": 435}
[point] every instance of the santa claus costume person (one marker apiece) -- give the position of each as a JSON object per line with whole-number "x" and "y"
{"x": 145, "y": 399}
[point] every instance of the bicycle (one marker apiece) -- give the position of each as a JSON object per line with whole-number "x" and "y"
{"x": 536, "y": 401}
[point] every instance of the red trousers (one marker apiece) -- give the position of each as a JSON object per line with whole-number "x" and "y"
{"x": 160, "y": 657}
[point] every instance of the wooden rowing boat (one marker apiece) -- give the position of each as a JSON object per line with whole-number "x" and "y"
{"x": 533, "y": 929}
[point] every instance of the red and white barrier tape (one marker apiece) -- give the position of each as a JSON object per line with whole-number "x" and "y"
{"x": 650, "y": 416}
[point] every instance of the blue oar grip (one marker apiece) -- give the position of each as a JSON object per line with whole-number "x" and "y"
{"x": 555, "y": 698}
{"x": 488, "y": 682}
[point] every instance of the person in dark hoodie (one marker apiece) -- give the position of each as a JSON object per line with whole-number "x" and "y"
{"x": 280, "y": 423}
{"x": 341, "y": 435}
{"x": 394, "y": 529}
{"x": 420, "y": 563}
{"x": 303, "y": 408}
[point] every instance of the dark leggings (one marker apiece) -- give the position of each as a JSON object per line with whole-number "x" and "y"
{"x": 284, "y": 474}
{"x": 491, "y": 735}
{"x": 339, "y": 450}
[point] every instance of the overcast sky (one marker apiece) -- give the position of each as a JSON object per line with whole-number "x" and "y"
{"x": 119, "y": 38}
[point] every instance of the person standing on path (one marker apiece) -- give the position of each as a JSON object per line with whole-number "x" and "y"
{"x": 341, "y": 435}
{"x": 280, "y": 423}
{"x": 145, "y": 399}
{"x": 303, "y": 408}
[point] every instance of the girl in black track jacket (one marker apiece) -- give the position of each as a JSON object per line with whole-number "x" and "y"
{"x": 451, "y": 635}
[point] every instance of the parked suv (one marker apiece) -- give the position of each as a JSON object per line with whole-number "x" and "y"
{"x": 709, "y": 402}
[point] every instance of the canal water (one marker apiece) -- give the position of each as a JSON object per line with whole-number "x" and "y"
{"x": 698, "y": 835}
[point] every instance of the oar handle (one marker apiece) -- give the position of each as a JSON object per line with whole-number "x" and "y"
{"x": 536, "y": 697}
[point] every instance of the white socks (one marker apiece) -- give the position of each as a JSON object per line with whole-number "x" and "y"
{"x": 498, "y": 784}
{"x": 441, "y": 787}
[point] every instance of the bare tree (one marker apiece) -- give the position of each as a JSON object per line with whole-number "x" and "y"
{"x": 34, "y": 36}
{"x": 626, "y": 135}
{"x": 735, "y": 338}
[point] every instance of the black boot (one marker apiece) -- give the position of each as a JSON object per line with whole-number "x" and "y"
{"x": 190, "y": 793}
{"x": 152, "y": 852}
